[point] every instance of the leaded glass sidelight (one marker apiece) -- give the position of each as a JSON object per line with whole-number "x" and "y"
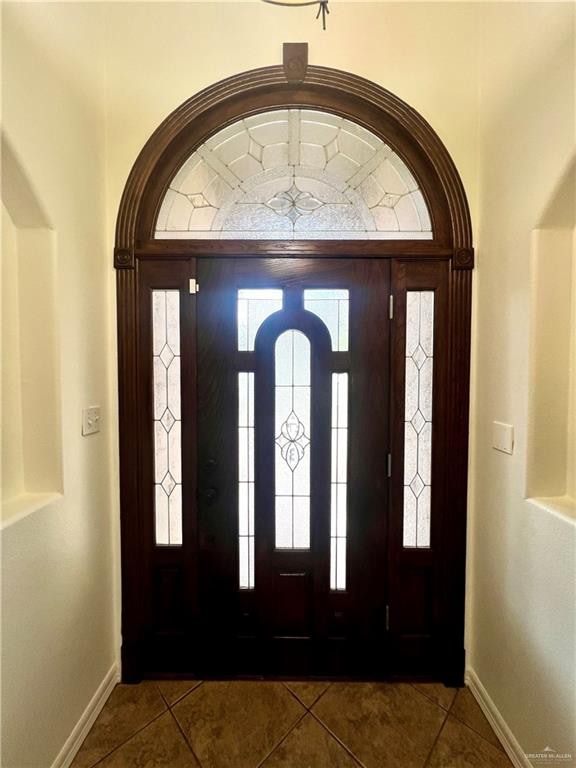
{"x": 418, "y": 417}
{"x": 167, "y": 416}
{"x": 339, "y": 481}
{"x": 246, "y": 479}
{"x": 294, "y": 174}
{"x": 332, "y": 307}
{"x": 292, "y": 431}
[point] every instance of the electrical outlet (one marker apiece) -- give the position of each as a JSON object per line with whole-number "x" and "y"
{"x": 91, "y": 420}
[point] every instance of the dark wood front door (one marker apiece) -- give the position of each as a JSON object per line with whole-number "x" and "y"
{"x": 293, "y": 361}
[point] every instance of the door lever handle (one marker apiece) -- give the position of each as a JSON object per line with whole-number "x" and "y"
{"x": 301, "y": 573}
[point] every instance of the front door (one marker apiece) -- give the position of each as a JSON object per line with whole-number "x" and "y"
{"x": 293, "y": 376}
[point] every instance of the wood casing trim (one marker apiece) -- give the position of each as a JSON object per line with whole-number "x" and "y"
{"x": 259, "y": 90}
{"x": 413, "y": 138}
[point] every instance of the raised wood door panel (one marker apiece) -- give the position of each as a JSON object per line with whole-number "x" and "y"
{"x": 291, "y": 622}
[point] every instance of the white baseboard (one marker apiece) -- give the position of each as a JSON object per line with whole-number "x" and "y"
{"x": 499, "y": 725}
{"x": 86, "y": 721}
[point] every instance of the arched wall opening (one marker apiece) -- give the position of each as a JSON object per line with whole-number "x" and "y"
{"x": 551, "y": 477}
{"x": 31, "y": 435}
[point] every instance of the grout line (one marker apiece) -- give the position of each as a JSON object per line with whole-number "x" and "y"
{"x": 472, "y": 727}
{"x": 433, "y": 747}
{"x": 337, "y": 739}
{"x": 446, "y": 716}
{"x": 319, "y": 697}
{"x": 451, "y": 707}
{"x": 306, "y": 706}
{"x": 283, "y": 739}
{"x": 197, "y": 685}
{"x": 122, "y": 743}
{"x": 429, "y": 698}
{"x": 500, "y": 748}
{"x": 186, "y": 741}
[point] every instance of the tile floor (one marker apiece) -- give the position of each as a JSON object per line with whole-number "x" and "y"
{"x": 188, "y": 724}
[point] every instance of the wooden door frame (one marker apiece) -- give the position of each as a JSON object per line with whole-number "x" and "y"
{"x": 413, "y": 139}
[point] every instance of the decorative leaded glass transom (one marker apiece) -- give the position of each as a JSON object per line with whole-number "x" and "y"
{"x": 294, "y": 174}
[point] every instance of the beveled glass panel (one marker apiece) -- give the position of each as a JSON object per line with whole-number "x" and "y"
{"x": 339, "y": 481}
{"x": 254, "y": 306}
{"x": 294, "y": 174}
{"x": 292, "y": 430}
{"x": 332, "y": 307}
{"x": 167, "y": 415}
{"x": 418, "y": 417}
{"x": 246, "y": 479}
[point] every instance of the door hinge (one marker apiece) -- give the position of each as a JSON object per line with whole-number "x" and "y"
{"x": 389, "y": 467}
{"x": 391, "y": 307}
{"x": 193, "y": 285}
{"x": 387, "y": 618}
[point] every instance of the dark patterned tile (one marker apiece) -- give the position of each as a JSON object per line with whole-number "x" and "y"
{"x": 172, "y": 690}
{"x": 460, "y": 747}
{"x": 310, "y": 745}
{"x": 159, "y": 745}
{"x": 129, "y": 708}
{"x": 307, "y": 692}
{"x": 236, "y": 724}
{"x": 467, "y": 709}
{"x": 385, "y": 725}
{"x": 437, "y": 693}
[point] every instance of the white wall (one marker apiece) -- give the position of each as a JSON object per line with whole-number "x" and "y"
{"x": 58, "y": 620}
{"x": 506, "y": 122}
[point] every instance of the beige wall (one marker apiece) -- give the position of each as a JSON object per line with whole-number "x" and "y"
{"x": 58, "y": 620}
{"x": 522, "y": 585}
{"x": 495, "y": 81}
{"x": 12, "y": 459}
{"x": 426, "y": 54}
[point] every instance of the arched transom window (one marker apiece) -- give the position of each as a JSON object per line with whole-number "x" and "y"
{"x": 294, "y": 174}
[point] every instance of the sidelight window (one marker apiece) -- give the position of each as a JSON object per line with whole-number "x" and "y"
{"x": 418, "y": 417}
{"x": 167, "y": 417}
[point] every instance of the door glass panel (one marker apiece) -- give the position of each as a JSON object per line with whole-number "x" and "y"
{"x": 246, "y": 479}
{"x": 331, "y": 306}
{"x": 418, "y": 417}
{"x": 254, "y": 306}
{"x": 292, "y": 430}
{"x": 339, "y": 481}
{"x": 167, "y": 416}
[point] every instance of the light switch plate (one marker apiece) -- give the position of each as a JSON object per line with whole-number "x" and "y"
{"x": 91, "y": 420}
{"x": 503, "y": 437}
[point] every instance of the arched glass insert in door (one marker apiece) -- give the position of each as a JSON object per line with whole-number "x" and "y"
{"x": 292, "y": 429}
{"x": 294, "y": 174}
